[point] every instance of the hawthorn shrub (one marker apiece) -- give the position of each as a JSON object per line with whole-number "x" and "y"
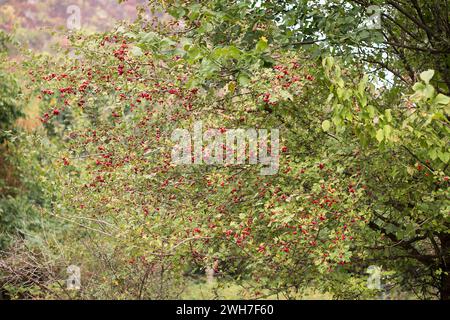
{"x": 116, "y": 183}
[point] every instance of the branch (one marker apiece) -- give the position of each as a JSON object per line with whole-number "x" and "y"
{"x": 409, "y": 16}
{"x": 425, "y": 259}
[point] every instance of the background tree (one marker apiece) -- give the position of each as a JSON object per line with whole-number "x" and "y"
{"x": 407, "y": 38}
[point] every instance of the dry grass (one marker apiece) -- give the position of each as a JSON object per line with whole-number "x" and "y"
{"x": 31, "y": 120}
{"x": 8, "y": 178}
{"x": 201, "y": 290}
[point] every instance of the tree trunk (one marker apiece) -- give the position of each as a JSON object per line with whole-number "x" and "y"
{"x": 445, "y": 266}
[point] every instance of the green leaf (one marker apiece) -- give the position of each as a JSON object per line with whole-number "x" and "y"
{"x": 442, "y": 99}
{"x": 444, "y": 156}
{"x": 226, "y": 53}
{"x": 328, "y": 62}
{"x": 194, "y": 53}
{"x": 427, "y": 75}
{"x": 362, "y": 84}
{"x": 136, "y": 51}
{"x": 326, "y": 125}
{"x": 194, "y": 11}
{"x": 429, "y": 91}
{"x": 418, "y": 86}
{"x": 150, "y": 37}
{"x": 177, "y": 12}
{"x": 208, "y": 68}
{"x": 371, "y": 109}
{"x": 380, "y": 135}
{"x": 261, "y": 45}
{"x": 388, "y": 115}
{"x": 432, "y": 154}
{"x": 387, "y": 131}
{"x": 243, "y": 79}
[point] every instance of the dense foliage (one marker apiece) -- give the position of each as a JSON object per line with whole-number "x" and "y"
{"x": 363, "y": 162}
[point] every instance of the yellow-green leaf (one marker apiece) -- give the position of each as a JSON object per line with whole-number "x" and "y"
{"x": 427, "y": 75}
{"x": 380, "y": 135}
{"x": 326, "y": 125}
